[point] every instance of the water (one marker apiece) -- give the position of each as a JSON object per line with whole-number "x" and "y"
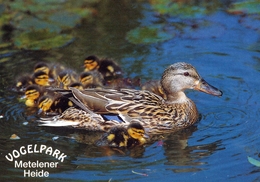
{"x": 226, "y": 54}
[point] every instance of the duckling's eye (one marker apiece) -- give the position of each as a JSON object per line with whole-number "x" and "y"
{"x": 186, "y": 74}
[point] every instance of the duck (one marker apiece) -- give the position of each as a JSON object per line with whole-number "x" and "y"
{"x": 41, "y": 78}
{"x": 155, "y": 87}
{"x": 66, "y": 78}
{"x": 32, "y": 94}
{"x": 107, "y": 67}
{"x": 91, "y": 79}
{"x": 52, "y": 70}
{"x": 110, "y": 69}
{"x": 91, "y": 63}
{"x": 156, "y": 114}
{"x": 53, "y": 104}
{"x": 22, "y": 82}
{"x": 121, "y": 137}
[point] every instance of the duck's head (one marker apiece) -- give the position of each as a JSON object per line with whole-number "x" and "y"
{"x": 181, "y": 76}
{"x": 32, "y": 93}
{"x": 65, "y": 79}
{"x": 23, "y": 82}
{"x": 41, "y": 66}
{"x": 41, "y": 78}
{"x": 136, "y": 131}
{"x": 45, "y": 102}
{"x": 86, "y": 78}
{"x": 91, "y": 63}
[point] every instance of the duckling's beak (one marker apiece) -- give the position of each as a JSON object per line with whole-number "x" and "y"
{"x": 203, "y": 86}
{"x": 51, "y": 80}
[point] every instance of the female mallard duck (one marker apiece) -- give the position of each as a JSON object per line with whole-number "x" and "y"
{"x": 119, "y": 136}
{"x": 157, "y": 115}
{"x": 155, "y": 87}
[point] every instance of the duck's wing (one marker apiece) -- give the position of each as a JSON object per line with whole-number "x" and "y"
{"x": 124, "y": 102}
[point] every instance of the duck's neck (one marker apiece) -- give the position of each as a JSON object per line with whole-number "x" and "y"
{"x": 177, "y": 97}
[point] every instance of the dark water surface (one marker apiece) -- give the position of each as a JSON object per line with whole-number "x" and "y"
{"x": 225, "y": 52}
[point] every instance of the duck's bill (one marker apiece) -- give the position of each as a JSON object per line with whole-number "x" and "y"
{"x": 203, "y": 86}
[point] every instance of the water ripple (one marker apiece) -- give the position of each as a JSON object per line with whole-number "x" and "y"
{"x": 222, "y": 117}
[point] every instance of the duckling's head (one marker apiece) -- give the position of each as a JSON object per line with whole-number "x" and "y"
{"x": 23, "y": 82}
{"x": 181, "y": 76}
{"x": 136, "y": 131}
{"x": 41, "y": 66}
{"x": 32, "y": 93}
{"x": 41, "y": 78}
{"x": 45, "y": 102}
{"x": 65, "y": 78}
{"x": 91, "y": 63}
{"x": 86, "y": 78}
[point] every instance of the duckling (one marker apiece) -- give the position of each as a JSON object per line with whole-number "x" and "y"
{"x": 32, "y": 94}
{"x": 41, "y": 66}
{"x": 91, "y": 79}
{"x": 22, "y": 82}
{"x": 107, "y": 67}
{"x": 66, "y": 77}
{"x": 54, "y": 104}
{"x": 50, "y": 69}
{"x": 155, "y": 87}
{"x": 41, "y": 78}
{"x": 120, "y": 136}
{"x": 91, "y": 63}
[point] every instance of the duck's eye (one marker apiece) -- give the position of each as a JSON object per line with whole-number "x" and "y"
{"x": 186, "y": 74}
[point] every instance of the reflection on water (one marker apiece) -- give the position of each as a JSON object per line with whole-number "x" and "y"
{"x": 214, "y": 149}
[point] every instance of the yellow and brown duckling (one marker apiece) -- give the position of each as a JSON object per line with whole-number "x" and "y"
{"x": 42, "y": 66}
{"x": 110, "y": 69}
{"x": 32, "y": 94}
{"x": 92, "y": 79}
{"x": 54, "y": 104}
{"x": 120, "y": 136}
{"x": 23, "y": 82}
{"x": 107, "y": 67}
{"x": 66, "y": 78}
{"x": 91, "y": 63}
{"x": 156, "y": 114}
{"x": 41, "y": 78}
{"x": 51, "y": 70}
